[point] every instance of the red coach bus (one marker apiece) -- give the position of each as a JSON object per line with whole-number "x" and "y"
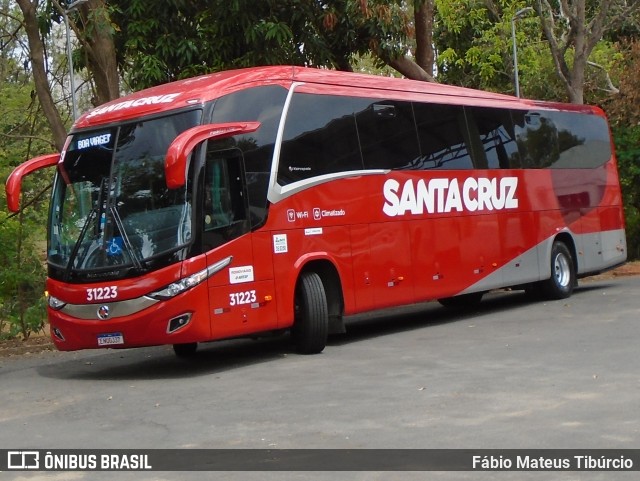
{"x": 266, "y": 199}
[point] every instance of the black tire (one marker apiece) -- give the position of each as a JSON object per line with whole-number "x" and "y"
{"x": 563, "y": 273}
{"x": 185, "y": 350}
{"x": 463, "y": 301}
{"x": 311, "y": 323}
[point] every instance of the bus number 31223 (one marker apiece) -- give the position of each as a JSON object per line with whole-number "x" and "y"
{"x": 246, "y": 297}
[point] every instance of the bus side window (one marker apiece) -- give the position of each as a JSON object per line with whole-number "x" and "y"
{"x": 388, "y": 137}
{"x": 497, "y": 135}
{"x": 263, "y": 104}
{"x": 320, "y": 137}
{"x": 583, "y": 140}
{"x": 537, "y": 138}
{"x": 442, "y": 143}
{"x": 225, "y": 204}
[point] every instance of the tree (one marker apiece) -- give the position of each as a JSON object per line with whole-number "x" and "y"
{"x": 473, "y": 40}
{"x": 31, "y": 25}
{"x": 23, "y": 133}
{"x": 573, "y": 29}
{"x": 96, "y": 32}
{"x": 423, "y": 14}
{"x": 185, "y": 38}
{"x": 624, "y": 116}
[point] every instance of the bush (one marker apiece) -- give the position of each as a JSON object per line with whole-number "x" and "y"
{"x": 22, "y": 278}
{"x": 627, "y": 140}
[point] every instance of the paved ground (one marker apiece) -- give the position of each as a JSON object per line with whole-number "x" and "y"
{"x": 512, "y": 374}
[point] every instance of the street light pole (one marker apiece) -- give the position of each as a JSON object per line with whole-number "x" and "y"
{"x": 516, "y": 16}
{"x": 72, "y": 84}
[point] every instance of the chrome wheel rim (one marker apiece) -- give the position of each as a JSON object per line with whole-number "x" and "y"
{"x": 562, "y": 270}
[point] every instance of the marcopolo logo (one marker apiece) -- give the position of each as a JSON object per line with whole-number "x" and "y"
{"x": 448, "y": 195}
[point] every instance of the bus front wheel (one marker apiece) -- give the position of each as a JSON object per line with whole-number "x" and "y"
{"x": 563, "y": 273}
{"x": 311, "y": 314}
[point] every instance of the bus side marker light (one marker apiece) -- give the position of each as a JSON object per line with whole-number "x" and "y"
{"x": 267, "y": 300}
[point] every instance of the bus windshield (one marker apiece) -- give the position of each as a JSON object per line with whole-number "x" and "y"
{"x": 111, "y": 208}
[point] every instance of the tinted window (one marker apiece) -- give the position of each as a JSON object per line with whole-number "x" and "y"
{"x": 320, "y": 137}
{"x": 497, "y": 136}
{"x": 224, "y": 206}
{"x": 388, "y": 136}
{"x": 441, "y": 131}
{"x": 561, "y": 139}
{"x": 262, "y": 104}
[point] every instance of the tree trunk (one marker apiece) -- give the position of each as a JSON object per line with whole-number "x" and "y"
{"x": 410, "y": 69}
{"x": 43, "y": 90}
{"x": 579, "y": 31}
{"x": 98, "y": 41}
{"x": 423, "y": 12}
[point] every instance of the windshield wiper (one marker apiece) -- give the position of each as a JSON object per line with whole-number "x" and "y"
{"x": 115, "y": 215}
{"x": 76, "y": 247}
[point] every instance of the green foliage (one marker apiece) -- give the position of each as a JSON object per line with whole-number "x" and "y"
{"x": 23, "y": 134}
{"x": 21, "y": 279}
{"x": 624, "y": 115}
{"x": 474, "y": 42}
{"x": 627, "y": 140}
{"x": 185, "y": 38}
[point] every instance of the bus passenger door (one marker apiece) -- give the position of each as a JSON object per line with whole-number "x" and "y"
{"x": 237, "y": 291}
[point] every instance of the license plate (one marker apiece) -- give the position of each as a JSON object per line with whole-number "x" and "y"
{"x": 111, "y": 339}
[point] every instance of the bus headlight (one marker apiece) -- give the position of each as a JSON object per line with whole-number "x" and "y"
{"x": 55, "y": 303}
{"x": 187, "y": 283}
{"x": 179, "y": 287}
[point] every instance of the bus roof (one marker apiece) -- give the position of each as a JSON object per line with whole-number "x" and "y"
{"x": 198, "y": 90}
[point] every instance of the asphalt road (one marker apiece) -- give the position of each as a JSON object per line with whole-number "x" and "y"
{"x": 510, "y": 374}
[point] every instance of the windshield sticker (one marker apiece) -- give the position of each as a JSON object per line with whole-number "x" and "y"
{"x": 280, "y": 243}
{"x": 115, "y": 247}
{"x": 240, "y": 274}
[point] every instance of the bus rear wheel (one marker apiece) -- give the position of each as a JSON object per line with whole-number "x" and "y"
{"x": 563, "y": 273}
{"x": 311, "y": 322}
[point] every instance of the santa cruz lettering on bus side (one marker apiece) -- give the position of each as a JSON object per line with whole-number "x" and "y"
{"x": 441, "y": 195}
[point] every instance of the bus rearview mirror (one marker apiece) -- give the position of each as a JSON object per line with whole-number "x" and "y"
{"x": 13, "y": 186}
{"x": 176, "y": 161}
